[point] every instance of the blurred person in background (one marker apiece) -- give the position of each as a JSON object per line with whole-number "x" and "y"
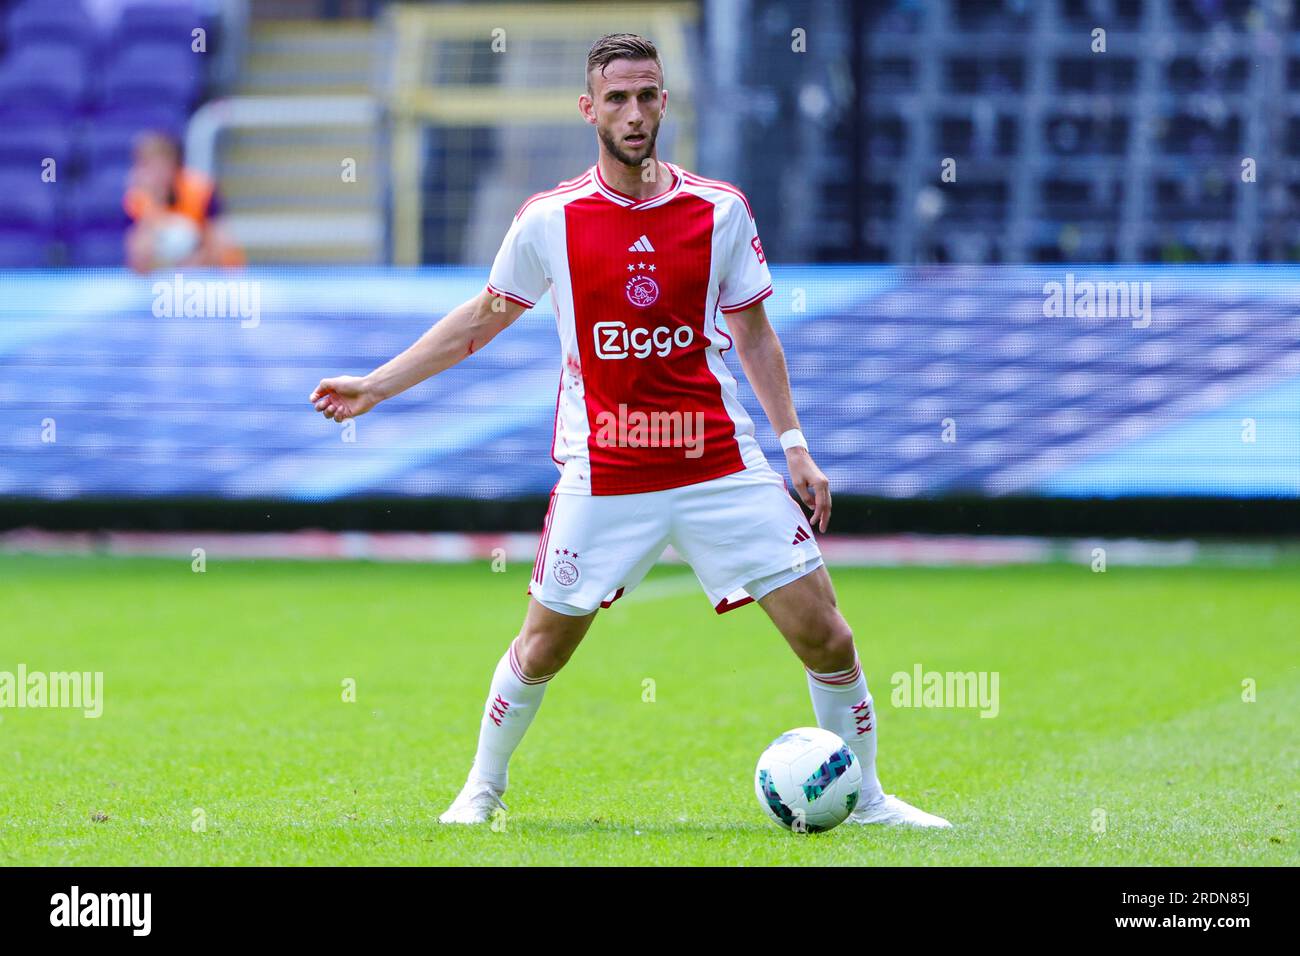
{"x": 174, "y": 212}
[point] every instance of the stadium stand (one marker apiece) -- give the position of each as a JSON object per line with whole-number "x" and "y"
{"x": 1064, "y": 152}
{"x": 1063, "y": 156}
{"x": 75, "y": 89}
{"x": 286, "y": 198}
{"x": 474, "y": 133}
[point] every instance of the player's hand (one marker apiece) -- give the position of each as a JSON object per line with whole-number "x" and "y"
{"x": 344, "y": 397}
{"x": 811, "y": 485}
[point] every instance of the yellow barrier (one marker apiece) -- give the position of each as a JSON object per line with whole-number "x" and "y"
{"x": 416, "y": 34}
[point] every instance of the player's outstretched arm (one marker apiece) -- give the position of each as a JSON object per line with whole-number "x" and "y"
{"x": 457, "y": 335}
{"x": 763, "y": 360}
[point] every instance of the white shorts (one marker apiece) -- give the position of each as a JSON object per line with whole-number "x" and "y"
{"x": 742, "y": 534}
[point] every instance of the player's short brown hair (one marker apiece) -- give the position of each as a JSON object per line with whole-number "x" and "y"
{"x": 620, "y": 46}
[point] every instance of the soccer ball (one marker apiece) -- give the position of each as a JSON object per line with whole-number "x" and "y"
{"x": 808, "y": 780}
{"x": 176, "y": 239}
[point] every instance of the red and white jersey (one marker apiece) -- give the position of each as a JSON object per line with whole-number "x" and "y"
{"x": 645, "y": 400}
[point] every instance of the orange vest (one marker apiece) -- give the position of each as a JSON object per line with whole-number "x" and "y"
{"x": 193, "y": 193}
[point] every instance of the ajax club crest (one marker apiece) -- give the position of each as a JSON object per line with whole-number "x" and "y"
{"x": 642, "y": 291}
{"x": 564, "y": 569}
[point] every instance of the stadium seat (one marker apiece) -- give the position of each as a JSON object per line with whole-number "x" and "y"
{"x": 108, "y": 143}
{"x": 39, "y": 22}
{"x": 24, "y": 248}
{"x": 157, "y": 23}
{"x": 43, "y": 78}
{"x": 111, "y": 130}
{"x": 25, "y": 201}
{"x": 153, "y": 75}
{"x": 97, "y": 248}
{"x": 28, "y": 141}
{"x": 97, "y": 200}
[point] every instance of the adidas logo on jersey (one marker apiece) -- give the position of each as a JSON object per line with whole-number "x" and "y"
{"x": 641, "y": 245}
{"x": 800, "y": 535}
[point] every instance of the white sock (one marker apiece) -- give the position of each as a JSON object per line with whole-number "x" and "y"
{"x": 843, "y": 705}
{"x": 512, "y": 703}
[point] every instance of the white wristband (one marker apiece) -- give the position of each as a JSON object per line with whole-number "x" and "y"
{"x": 793, "y": 439}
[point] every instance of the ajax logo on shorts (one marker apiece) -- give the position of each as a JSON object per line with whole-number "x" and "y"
{"x": 614, "y": 340}
{"x": 565, "y": 571}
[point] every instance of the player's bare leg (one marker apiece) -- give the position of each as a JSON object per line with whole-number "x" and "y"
{"x": 806, "y": 614}
{"x": 545, "y": 643}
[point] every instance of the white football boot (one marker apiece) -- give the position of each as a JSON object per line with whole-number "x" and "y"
{"x": 476, "y": 803}
{"x": 889, "y": 810}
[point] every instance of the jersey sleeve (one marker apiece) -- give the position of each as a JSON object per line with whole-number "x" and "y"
{"x": 745, "y": 279}
{"x": 519, "y": 272}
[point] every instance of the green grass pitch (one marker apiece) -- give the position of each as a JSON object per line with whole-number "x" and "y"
{"x": 1119, "y": 692}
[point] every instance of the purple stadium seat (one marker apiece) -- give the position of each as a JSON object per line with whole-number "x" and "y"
{"x": 27, "y": 202}
{"x": 169, "y": 24}
{"x": 40, "y": 22}
{"x": 109, "y": 143}
{"x": 42, "y": 78}
{"x": 99, "y": 246}
{"x": 153, "y": 75}
{"x": 24, "y": 248}
{"x": 28, "y": 141}
{"x": 130, "y": 119}
{"x": 97, "y": 200}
